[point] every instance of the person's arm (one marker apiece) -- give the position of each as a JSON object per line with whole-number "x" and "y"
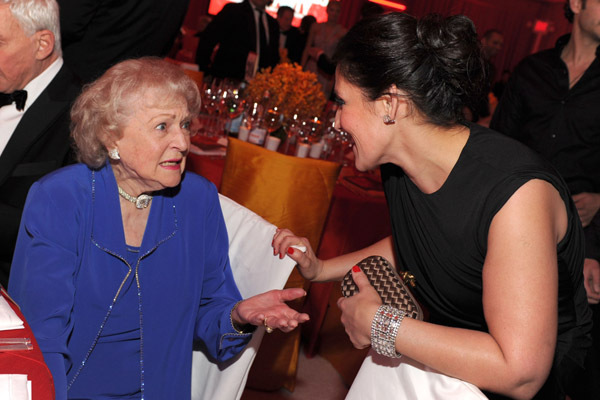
{"x": 520, "y": 291}
{"x": 591, "y": 280}
{"x": 309, "y": 44}
{"x": 587, "y": 205}
{"x": 508, "y": 117}
{"x": 10, "y": 218}
{"x": 334, "y": 269}
{"x": 271, "y": 305}
{"x": 218, "y": 320}
{"x": 42, "y": 276}
{"x": 325, "y": 64}
{"x": 591, "y": 266}
{"x": 213, "y": 33}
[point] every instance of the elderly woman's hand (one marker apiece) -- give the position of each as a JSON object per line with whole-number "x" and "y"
{"x": 358, "y": 311}
{"x": 269, "y": 309}
{"x": 308, "y": 264}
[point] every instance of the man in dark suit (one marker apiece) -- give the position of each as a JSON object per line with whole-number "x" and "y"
{"x": 98, "y": 34}
{"x": 237, "y": 33}
{"x": 36, "y": 92}
{"x": 289, "y": 36}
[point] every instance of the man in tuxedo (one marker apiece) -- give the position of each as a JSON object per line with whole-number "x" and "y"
{"x": 98, "y": 34}
{"x": 36, "y": 92}
{"x": 243, "y": 32}
{"x": 289, "y": 36}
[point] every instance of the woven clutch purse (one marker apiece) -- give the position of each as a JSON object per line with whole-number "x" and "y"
{"x": 386, "y": 281}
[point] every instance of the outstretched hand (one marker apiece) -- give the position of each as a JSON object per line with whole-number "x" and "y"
{"x": 269, "y": 309}
{"x": 358, "y": 311}
{"x": 308, "y": 264}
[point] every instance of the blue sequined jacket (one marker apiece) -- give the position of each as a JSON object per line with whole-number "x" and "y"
{"x": 70, "y": 263}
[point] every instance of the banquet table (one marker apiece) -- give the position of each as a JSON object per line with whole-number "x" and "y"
{"x": 358, "y": 216}
{"x": 29, "y": 362}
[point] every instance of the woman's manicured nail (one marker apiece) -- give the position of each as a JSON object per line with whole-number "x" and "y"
{"x": 290, "y": 250}
{"x": 356, "y": 268}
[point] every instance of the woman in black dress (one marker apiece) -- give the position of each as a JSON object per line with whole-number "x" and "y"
{"x": 487, "y": 228}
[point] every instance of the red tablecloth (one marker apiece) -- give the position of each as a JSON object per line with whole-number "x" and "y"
{"x": 30, "y": 362}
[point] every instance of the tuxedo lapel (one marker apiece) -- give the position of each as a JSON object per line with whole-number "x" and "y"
{"x": 49, "y": 106}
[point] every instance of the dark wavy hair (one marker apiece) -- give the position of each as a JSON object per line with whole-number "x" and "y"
{"x": 435, "y": 60}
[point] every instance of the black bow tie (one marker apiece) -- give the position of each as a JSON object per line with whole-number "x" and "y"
{"x": 18, "y": 97}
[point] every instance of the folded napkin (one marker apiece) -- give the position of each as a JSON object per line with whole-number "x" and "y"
{"x": 8, "y": 318}
{"x": 15, "y": 387}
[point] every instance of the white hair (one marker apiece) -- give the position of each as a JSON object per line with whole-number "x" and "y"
{"x": 37, "y": 15}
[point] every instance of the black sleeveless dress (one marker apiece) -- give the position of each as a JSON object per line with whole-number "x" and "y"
{"x": 442, "y": 239}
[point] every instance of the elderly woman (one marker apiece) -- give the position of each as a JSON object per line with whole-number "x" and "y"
{"x": 122, "y": 260}
{"x": 487, "y": 228}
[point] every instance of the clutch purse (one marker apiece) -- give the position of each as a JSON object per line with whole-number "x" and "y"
{"x": 392, "y": 289}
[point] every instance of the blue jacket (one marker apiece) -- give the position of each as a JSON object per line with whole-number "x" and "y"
{"x": 69, "y": 265}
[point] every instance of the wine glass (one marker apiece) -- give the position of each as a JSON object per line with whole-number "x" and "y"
{"x": 233, "y": 106}
{"x": 291, "y": 132}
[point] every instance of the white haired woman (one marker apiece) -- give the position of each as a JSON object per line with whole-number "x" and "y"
{"x": 122, "y": 260}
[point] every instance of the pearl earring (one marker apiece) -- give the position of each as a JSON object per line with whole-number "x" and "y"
{"x": 388, "y": 121}
{"x": 114, "y": 154}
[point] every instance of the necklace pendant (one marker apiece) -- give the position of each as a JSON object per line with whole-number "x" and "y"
{"x": 142, "y": 201}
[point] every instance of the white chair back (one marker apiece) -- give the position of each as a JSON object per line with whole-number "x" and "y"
{"x": 255, "y": 270}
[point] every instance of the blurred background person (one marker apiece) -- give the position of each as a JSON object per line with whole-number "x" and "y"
{"x": 98, "y": 34}
{"x": 36, "y": 92}
{"x": 247, "y": 39}
{"x": 122, "y": 260}
{"x": 324, "y": 62}
{"x": 491, "y": 43}
{"x": 324, "y": 36}
{"x": 500, "y": 85}
{"x": 289, "y": 36}
{"x": 304, "y": 30}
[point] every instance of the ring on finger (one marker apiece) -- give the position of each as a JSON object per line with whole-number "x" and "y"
{"x": 268, "y": 329}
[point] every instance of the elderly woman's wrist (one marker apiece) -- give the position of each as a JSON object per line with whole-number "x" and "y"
{"x": 236, "y": 324}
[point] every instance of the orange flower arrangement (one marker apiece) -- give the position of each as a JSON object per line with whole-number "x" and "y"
{"x": 290, "y": 88}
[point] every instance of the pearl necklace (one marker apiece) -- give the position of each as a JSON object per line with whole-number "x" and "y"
{"x": 142, "y": 201}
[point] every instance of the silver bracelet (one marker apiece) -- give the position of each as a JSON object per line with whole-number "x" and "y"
{"x": 384, "y": 330}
